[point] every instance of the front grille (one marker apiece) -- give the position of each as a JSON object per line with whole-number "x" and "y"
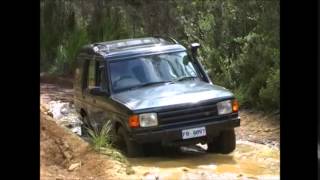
{"x": 200, "y": 112}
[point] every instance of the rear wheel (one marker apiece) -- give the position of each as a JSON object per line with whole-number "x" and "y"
{"x": 130, "y": 148}
{"x": 85, "y": 126}
{"x": 225, "y": 143}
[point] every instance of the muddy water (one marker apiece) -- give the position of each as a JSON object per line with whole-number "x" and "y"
{"x": 248, "y": 161}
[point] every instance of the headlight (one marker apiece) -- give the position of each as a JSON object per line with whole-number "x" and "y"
{"x": 148, "y": 119}
{"x": 224, "y": 107}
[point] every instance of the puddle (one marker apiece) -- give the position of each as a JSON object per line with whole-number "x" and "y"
{"x": 248, "y": 161}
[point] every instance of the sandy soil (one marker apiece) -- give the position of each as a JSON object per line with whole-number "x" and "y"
{"x": 62, "y": 150}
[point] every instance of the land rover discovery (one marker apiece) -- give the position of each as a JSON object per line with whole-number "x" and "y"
{"x": 153, "y": 90}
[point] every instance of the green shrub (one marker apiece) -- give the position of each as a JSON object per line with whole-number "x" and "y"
{"x": 270, "y": 95}
{"x": 66, "y": 52}
{"x": 239, "y": 40}
{"x": 100, "y": 138}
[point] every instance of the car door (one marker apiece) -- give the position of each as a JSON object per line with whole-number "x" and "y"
{"x": 96, "y": 93}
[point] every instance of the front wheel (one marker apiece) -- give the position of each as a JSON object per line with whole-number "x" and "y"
{"x": 131, "y": 148}
{"x": 225, "y": 143}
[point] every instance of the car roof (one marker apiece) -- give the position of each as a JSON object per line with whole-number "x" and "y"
{"x": 129, "y": 48}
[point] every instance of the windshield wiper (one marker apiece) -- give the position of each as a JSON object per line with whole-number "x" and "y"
{"x": 185, "y": 78}
{"x": 153, "y": 83}
{"x": 149, "y": 84}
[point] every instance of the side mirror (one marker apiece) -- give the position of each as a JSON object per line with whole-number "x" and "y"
{"x": 194, "y": 48}
{"x": 96, "y": 91}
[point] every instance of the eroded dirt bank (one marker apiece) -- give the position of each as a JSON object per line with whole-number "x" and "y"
{"x": 64, "y": 155}
{"x": 256, "y": 155}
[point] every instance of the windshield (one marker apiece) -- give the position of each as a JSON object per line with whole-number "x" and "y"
{"x": 154, "y": 69}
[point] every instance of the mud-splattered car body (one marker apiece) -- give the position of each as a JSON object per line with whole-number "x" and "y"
{"x": 182, "y": 108}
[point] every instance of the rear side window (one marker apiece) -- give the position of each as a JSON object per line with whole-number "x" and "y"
{"x": 92, "y": 74}
{"x": 102, "y": 78}
{"x": 95, "y": 75}
{"x": 77, "y": 74}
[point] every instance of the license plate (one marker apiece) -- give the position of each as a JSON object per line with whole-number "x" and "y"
{"x": 194, "y": 132}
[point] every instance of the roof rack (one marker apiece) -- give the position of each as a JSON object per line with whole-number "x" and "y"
{"x": 118, "y": 44}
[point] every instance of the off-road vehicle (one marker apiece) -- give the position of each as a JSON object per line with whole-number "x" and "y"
{"x": 153, "y": 90}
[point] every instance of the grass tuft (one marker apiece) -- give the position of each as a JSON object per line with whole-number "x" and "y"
{"x": 101, "y": 141}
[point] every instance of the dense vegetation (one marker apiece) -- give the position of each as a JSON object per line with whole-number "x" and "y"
{"x": 240, "y": 39}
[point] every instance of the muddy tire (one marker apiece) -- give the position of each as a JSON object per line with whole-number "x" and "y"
{"x": 130, "y": 148}
{"x": 225, "y": 143}
{"x": 213, "y": 146}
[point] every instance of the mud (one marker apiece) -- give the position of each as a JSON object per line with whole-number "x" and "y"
{"x": 249, "y": 160}
{"x": 257, "y": 154}
{"x": 63, "y": 155}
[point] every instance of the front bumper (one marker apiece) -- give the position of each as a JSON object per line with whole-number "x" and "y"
{"x": 174, "y": 135}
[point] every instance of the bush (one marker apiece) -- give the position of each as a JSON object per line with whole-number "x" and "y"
{"x": 253, "y": 74}
{"x": 101, "y": 141}
{"x": 270, "y": 95}
{"x": 66, "y": 52}
{"x": 240, "y": 40}
{"x": 100, "y": 138}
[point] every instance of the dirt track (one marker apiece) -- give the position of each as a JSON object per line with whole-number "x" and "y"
{"x": 256, "y": 155}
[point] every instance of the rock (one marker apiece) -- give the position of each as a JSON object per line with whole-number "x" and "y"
{"x": 67, "y": 155}
{"x": 267, "y": 130}
{"x": 74, "y": 166}
{"x": 65, "y": 115}
{"x": 67, "y": 108}
{"x": 185, "y": 170}
{"x": 252, "y": 177}
{"x": 50, "y": 114}
{"x": 65, "y": 145}
{"x": 64, "y": 110}
{"x": 55, "y": 109}
{"x": 130, "y": 171}
{"x": 77, "y": 130}
{"x": 150, "y": 176}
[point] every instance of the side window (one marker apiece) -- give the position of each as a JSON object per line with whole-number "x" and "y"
{"x": 84, "y": 79}
{"x": 91, "y": 80}
{"x": 77, "y": 74}
{"x": 96, "y": 76}
{"x": 102, "y": 78}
